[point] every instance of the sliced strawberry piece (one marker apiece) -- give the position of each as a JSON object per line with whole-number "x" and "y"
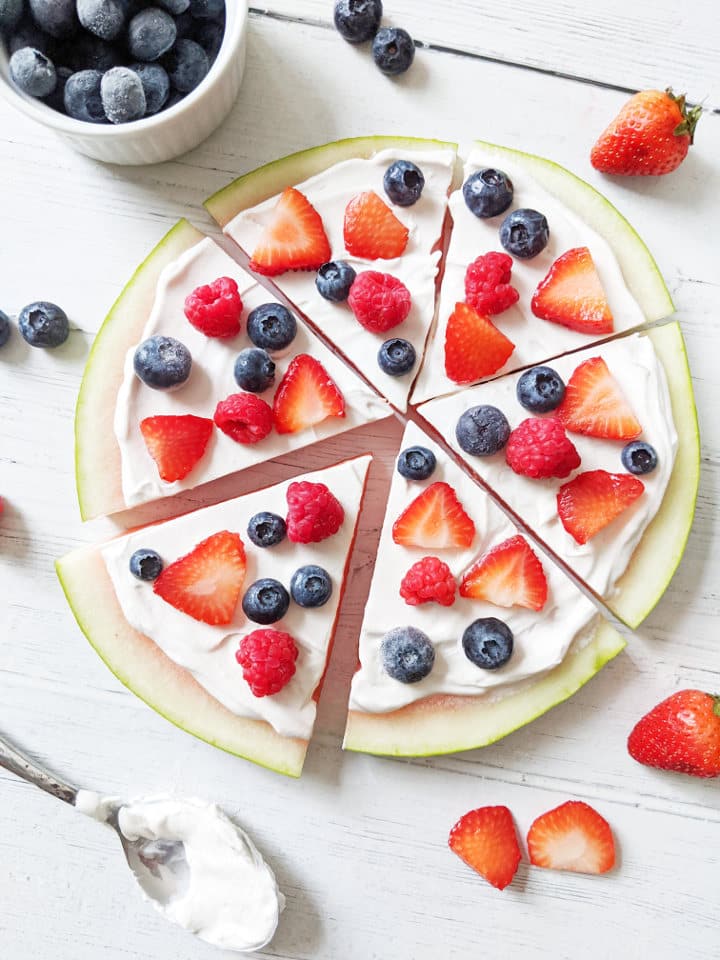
{"x": 372, "y": 231}
{"x": 508, "y": 575}
{"x": 573, "y": 837}
{"x": 176, "y": 443}
{"x": 205, "y": 583}
{"x": 294, "y": 239}
{"x": 592, "y": 500}
{"x": 573, "y": 296}
{"x": 474, "y": 347}
{"x": 306, "y": 396}
{"x": 595, "y": 405}
{"x": 487, "y": 841}
{"x": 435, "y": 520}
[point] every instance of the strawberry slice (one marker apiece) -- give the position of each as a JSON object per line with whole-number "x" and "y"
{"x": 435, "y": 520}
{"x": 487, "y": 841}
{"x": 573, "y": 296}
{"x": 306, "y": 396}
{"x": 508, "y": 575}
{"x": 205, "y": 583}
{"x": 294, "y": 239}
{"x": 592, "y": 500}
{"x": 573, "y": 837}
{"x": 372, "y": 231}
{"x": 474, "y": 347}
{"x": 176, "y": 443}
{"x": 594, "y": 404}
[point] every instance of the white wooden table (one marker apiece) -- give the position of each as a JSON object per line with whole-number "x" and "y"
{"x": 359, "y": 844}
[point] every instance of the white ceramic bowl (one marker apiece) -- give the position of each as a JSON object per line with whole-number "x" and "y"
{"x": 168, "y": 133}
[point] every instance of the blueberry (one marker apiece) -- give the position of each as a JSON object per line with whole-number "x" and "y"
{"x": 5, "y": 328}
{"x": 482, "y": 430}
{"x": 271, "y": 326}
{"x": 103, "y": 18}
{"x": 416, "y": 463}
{"x": 266, "y": 529}
{"x": 146, "y": 564}
{"x": 209, "y": 34}
{"x": 357, "y": 20}
{"x": 311, "y": 586}
{"x": 187, "y": 65}
{"x": 87, "y": 52}
{"x": 639, "y": 457}
{"x": 175, "y": 7}
{"x": 334, "y": 279}
{"x": 186, "y": 25}
{"x": 524, "y": 233}
{"x": 56, "y": 100}
{"x": 207, "y": 9}
{"x": 403, "y": 183}
{"x": 156, "y": 85}
{"x": 393, "y": 50}
{"x": 28, "y": 34}
{"x": 151, "y": 33}
{"x": 396, "y": 357}
{"x": 162, "y": 363}
{"x": 407, "y": 654}
{"x": 254, "y": 370}
{"x": 56, "y": 17}
{"x": 540, "y": 389}
{"x": 43, "y": 324}
{"x": 123, "y": 95}
{"x": 82, "y": 97}
{"x": 32, "y": 72}
{"x": 488, "y": 192}
{"x": 488, "y": 643}
{"x": 266, "y": 601}
{"x": 10, "y": 13}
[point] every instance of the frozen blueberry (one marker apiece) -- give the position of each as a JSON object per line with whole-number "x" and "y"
{"x": 5, "y": 328}
{"x": 175, "y": 7}
{"x": 103, "y": 18}
{"x": 396, "y": 357}
{"x": 266, "y": 601}
{"x": 56, "y": 17}
{"x": 28, "y": 34}
{"x": 56, "y": 100}
{"x": 334, "y": 279}
{"x": 540, "y": 389}
{"x": 186, "y": 25}
{"x": 271, "y": 326}
{"x": 10, "y": 13}
{"x": 123, "y": 95}
{"x": 82, "y": 96}
{"x": 488, "y": 192}
{"x": 156, "y": 85}
{"x": 357, "y": 20}
{"x": 87, "y": 52}
{"x": 146, "y": 564}
{"x": 162, "y": 363}
{"x": 404, "y": 183}
{"x": 209, "y": 34}
{"x": 482, "y": 431}
{"x": 393, "y": 50}
{"x": 266, "y": 529}
{"x": 488, "y": 643}
{"x": 33, "y": 72}
{"x": 416, "y": 463}
{"x": 639, "y": 457}
{"x": 207, "y": 9}
{"x": 311, "y": 586}
{"x": 524, "y": 233}
{"x": 151, "y": 33}
{"x": 43, "y": 324}
{"x": 407, "y": 654}
{"x": 254, "y": 370}
{"x": 187, "y": 65}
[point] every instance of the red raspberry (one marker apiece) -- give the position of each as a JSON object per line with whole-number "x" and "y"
{"x": 379, "y": 301}
{"x": 268, "y": 661}
{"x": 313, "y": 512}
{"x": 216, "y": 308}
{"x": 244, "y": 417}
{"x": 539, "y": 448}
{"x": 427, "y": 581}
{"x": 487, "y": 284}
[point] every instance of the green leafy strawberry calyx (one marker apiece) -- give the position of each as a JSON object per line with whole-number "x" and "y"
{"x": 690, "y": 116}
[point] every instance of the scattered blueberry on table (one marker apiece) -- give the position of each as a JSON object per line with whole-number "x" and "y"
{"x": 43, "y": 324}
{"x": 5, "y": 328}
{"x": 393, "y": 49}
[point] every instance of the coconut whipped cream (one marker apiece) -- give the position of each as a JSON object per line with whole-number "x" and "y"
{"x": 473, "y": 236}
{"x": 208, "y": 652}
{"x": 212, "y": 380}
{"x": 330, "y": 192}
{"x": 224, "y": 892}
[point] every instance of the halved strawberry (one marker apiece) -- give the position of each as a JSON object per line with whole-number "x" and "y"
{"x": 573, "y": 837}
{"x": 573, "y": 296}
{"x": 294, "y": 239}
{"x": 306, "y": 396}
{"x": 372, "y": 231}
{"x": 487, "y": 841}
{"x": 594, "y": 404}
{"x": 435, "y": 520}
{"x": 205, "y": 583}
{"x": 474, "y": 347}
{"x": 508, "y": 575}
{"x": 176, "y": 443}
{"x": 592, "y": 500}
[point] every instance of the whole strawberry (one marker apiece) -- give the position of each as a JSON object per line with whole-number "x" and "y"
{"x": 650, "y": 136}
{"x": 682, "y": 733}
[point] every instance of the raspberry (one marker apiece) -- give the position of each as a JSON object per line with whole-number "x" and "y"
{"x": 539, "y": 448}
{"x": 268, "y": 661}
{"x": 244, "y": 417}
{"x": 313, "y": 512}
{"x": 487, "y": 284}
{"x": 429, "y": 580}
{"x": 379, "y": 301}
{"x": 216, "y": 308}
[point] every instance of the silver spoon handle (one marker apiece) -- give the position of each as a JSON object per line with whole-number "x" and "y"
{"x": 14, "y": 761}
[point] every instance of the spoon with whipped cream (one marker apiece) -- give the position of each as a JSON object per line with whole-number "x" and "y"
{"x": 197, "y": 867}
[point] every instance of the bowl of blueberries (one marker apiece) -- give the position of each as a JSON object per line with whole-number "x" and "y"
{"x": 124, "y": 81}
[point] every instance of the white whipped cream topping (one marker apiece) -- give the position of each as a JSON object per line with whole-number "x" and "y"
{"x": 604, "y": 558}
{"x": 541, "y": 639}
{"x": 533, "y": 338}
{"x": 208, "y": 652}
{"x": 212, "y": 380}
{"x": 228, "y": 894}
{"x": 330, "y": 192}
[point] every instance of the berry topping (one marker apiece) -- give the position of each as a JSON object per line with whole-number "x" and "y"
{"x": 122, "y": 95}
{"x": 393, "y": 50}
{"x": 524, "y": 233}
{"x": 573, "y": 296}
{"x": 396, "y": 357}
{"x": 540, "y": 390}
{"x": 595, "y": 405}
{"x": 488, "y": 192}
{"x": 272, "y": 327}
{"x": 488, "y": 643}
{"x": 474, "y": 347}
{"x": 371, "y": 229}
{"x": 572, "y": 837}
{"x": 682, "y": 734}
{"x": 404, "y": 183}
{"x": 539, "y": 448}
{"x": 266, "y": 601}
{"x": 244, "y": 418}
{"x": 268, "y": 661}
{"x": 254, "y": 370}
{"x": 306, "y": 396}
{"x": 379, "y": 301}
{"x": 435, "y": 520}
{"x": 357, "y": 20}
{"x": 266, "y": 529}
{"x": 175, "y": 443}
{"x": 428, "y": 581}
{"x": 33, "y": 72}
{"x": 5, "y": 328}
{"x": 486, "y": 840}
{"x": 146, "y": 564}
{"x": 407, "y": 654}
{"x": 334, "y": 280}
{"x": 187, "y": 65}
{"x": 82, "y": 98}
{"x": 508, "y": 575}
{"x": 162, "y": 363}
{"x": 416, "y": 463}
{"x": 592, "y": 500}
{"x": 294, "y": 238}
{"x": 215, "y": 309}
{"x": 311, "y": 586}
{"x": 482, "y": 431}
{"x": 43, "y": 324}
{"x": 314, "y": 513}
{"x": 487, "y": 284}
{"x": 205, "y": 583}
{"x": 639, "y": 457}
